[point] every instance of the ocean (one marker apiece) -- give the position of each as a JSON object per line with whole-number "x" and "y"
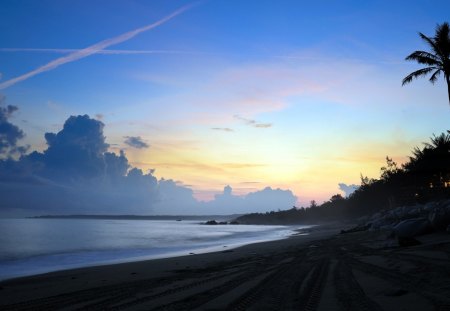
{"x": 34, "y": 246}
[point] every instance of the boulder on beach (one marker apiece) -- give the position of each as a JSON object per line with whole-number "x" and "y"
{"x": 406, "y": 212}
{"x": 358, "y": 228}
{"x": 410, "y": 228}
{"x": 213, "y": 222}
{"x": 380, "y": 223}
{"x": 439, "y": 217}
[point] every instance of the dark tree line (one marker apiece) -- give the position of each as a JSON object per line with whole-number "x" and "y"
{"x": 424, "y": 177}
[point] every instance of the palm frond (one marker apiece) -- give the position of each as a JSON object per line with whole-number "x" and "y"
{"x": 441, "y": 141}
{"x": 426, "y": 146}
{"x": 417, "y": 152}
{"x": 431, "y": 43}
{"x": 435, "y": 75}
{"x": 437, "y": 58}
{"x": 426, "y": 58}
{"x": 442, "y": 38}
{"x": 418, "y": 73}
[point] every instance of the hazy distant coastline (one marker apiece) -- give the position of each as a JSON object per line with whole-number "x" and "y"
{"x": 141, "y": 217}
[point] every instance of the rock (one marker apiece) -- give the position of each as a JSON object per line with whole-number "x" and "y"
{"x": 356, "y": 229}
{"x": 213, "y": 222}
{"x": 389, "y": 227}
{"x": 410, "y": 228}
{"x": 439, "y": 217}
{"x": 362, "y": 220}
{"x": 376, "y": 216}
{"x": 398, "y": 213}
{"x": 446, "y": 204}
{"x": 380, "y": 223}
{"x": 429, "y": 206}
{"x": 234, "y": 222}
{"x": 414, "y": 211}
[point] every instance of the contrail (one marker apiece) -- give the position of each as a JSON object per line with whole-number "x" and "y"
{"x": 93, "y": 48}
{"x": 107, "y": 52}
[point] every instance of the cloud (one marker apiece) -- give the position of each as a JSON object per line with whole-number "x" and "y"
{"x": 10, "y": 134}
{"x": 263, "y": 125}
{"x": 267, "y": 199}
{"x": 178, "y": 200}
{"x": 347, "y": 189}
{"x": 253, "y": 123}
{"x": 225, "y": 129}
{"x": 78, "y": 148}
{"x": 93, "y": 49}
{"x": 77, "y": 174}
{"x": 135, "y": 142}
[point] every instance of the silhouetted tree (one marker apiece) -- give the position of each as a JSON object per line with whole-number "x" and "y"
{"x": 336, "y": 197}
{"x": 430, "y": 166}
{"x": 437, "y": 60}
{"x": 389, "y": 170}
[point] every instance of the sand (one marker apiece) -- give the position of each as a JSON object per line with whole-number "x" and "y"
{"x": 324, "y": 270}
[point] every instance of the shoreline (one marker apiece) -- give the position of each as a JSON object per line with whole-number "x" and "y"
{"x": 186, "y": 252}
{"x": 116, "y": 273}
{"x": 323, "y": 271}
{"x": 137, "y": 243}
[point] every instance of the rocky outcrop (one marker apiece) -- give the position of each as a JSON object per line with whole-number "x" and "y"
{"x": 407, "y": 222}
{"x": 413, "y": 227}
{"x": 439, "y": 216}
{"x": 436, "y": 213}
{"x": 213, "y": 222}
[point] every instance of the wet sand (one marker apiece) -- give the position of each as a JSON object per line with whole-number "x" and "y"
{"x": 324, "y": 270}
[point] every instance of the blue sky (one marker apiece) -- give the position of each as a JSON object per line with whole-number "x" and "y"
{"x": 325, "y": 79}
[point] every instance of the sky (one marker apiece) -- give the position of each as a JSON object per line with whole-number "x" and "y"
{"x": 294, "y": 95}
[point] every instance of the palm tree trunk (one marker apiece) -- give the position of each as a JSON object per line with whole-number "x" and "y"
{"x": 448, "y": 87}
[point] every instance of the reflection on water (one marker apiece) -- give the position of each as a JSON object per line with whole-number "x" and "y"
{"x": 30, "y": 246}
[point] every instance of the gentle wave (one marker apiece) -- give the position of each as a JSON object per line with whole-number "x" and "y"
{"x": 34, "y": 246}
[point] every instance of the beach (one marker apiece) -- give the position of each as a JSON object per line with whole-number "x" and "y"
{"x": 323, "y": 270}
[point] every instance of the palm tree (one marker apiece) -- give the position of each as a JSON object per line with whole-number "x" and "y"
{"x": 437, "y": 60}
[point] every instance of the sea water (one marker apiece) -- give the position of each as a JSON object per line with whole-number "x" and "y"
{"x": 33, "y": 246}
